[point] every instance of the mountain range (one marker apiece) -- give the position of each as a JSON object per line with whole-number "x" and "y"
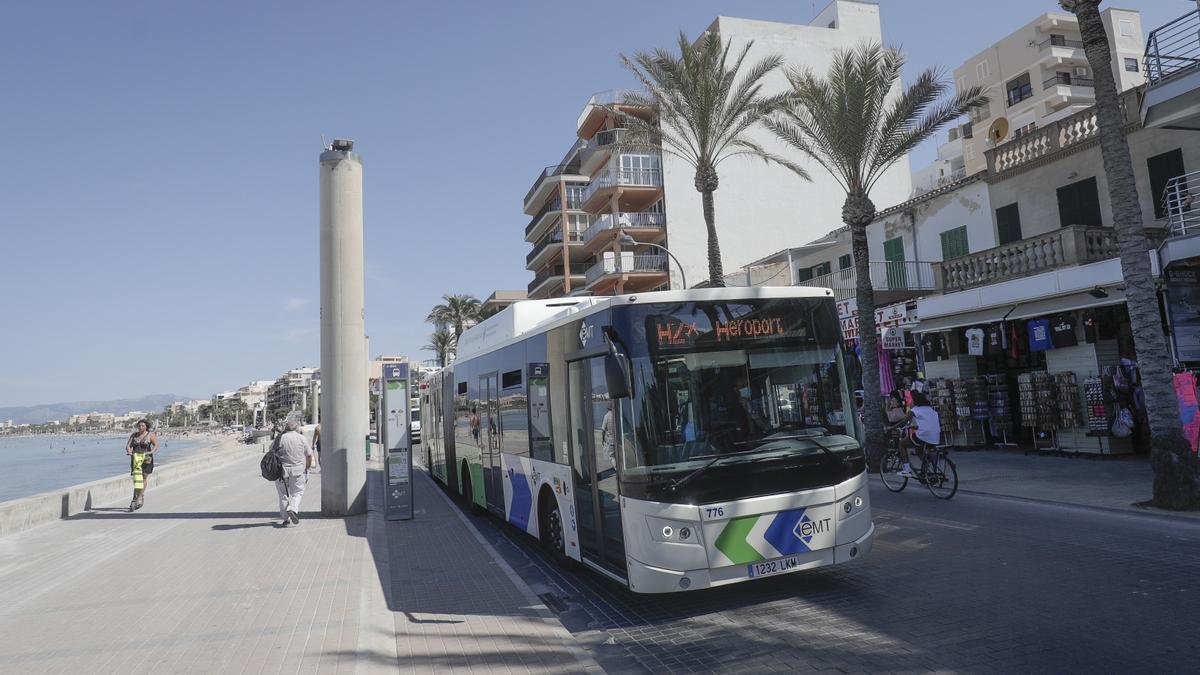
{"x": 37, "y": 414}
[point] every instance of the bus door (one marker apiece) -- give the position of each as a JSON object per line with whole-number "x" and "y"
{"x": 595, "y": 446}
{"x": 489, "y": 423}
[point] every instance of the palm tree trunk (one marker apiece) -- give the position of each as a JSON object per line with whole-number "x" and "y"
{"x": 1176, "y": 482}
{"x": 858, "y": 212}
{"x": 706, "y": 182}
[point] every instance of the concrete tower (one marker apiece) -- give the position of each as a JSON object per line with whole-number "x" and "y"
{"x": 344, "y": 417}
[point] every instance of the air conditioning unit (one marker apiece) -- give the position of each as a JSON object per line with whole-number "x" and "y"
{"x": 966, "y": 131}
{"x": 1081, "y": 71}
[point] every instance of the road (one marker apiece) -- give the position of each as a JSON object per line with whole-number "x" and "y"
{"x": 976, "y": 584}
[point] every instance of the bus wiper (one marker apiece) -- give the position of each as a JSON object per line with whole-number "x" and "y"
{"x": 676, "y": 484}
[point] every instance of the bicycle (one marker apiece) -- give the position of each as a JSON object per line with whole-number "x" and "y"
{"x": 937, "y": 471}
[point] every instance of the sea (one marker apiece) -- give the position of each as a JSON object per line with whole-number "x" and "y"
{"x": 31, "y": 465}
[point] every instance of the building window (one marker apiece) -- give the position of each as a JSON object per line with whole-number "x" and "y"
{"x": 845, "y": 261}
{"x": 822, "y": 269}
{"x": 804, "y": 274}
{"x": 1008, "y": 224}
{"x": 954, "y": 243}
{"x": 510, "y": 379}
{"x": 1019, "y": 89}
{"x": 982, "y": 71}
{"x": 1131, "y": 65}
{"x": 962, "y": 84}
{"x": 1079, "y": 204}
{"x": 1025, "y": 130}
{"x": 1163, "y": 168}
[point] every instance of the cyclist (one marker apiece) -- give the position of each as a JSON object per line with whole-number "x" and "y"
{"x": 924, "y": 430}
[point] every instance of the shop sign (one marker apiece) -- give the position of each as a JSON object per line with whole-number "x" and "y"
{"x": 892, "y": 315}
{"x": 892, "y": 337}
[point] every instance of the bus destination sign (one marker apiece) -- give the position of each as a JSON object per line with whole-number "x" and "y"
{"x": 668, "y": 332}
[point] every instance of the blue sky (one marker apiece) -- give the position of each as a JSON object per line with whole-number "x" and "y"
{"x": 159, "y": 194}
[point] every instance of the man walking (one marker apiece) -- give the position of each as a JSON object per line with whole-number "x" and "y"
{"x": 296, "y": 456}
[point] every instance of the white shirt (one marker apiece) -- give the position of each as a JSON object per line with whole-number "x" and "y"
{"x": 929, "y": 424}
{"x": 293, "y": 450}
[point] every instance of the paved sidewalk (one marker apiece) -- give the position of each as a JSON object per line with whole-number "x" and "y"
{"x": 203, "y": 580}
{"x": 1098, "y": 482}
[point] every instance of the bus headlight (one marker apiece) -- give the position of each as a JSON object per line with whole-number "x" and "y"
{"x": 674, "y": 531}
{"x": 852, "y": 505}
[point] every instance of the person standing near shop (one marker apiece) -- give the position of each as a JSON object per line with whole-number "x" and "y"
{"x": 296, "y": 456}
{"x": 140, "y": 449}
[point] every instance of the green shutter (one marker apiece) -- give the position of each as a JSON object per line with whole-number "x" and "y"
{"x": 954, "y": 243}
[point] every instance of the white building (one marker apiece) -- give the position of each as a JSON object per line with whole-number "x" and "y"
{"x": 1039, "y": 74}
{"x": 652, "y": 197}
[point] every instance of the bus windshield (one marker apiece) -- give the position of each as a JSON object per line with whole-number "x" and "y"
{"x": 759, "y": 381}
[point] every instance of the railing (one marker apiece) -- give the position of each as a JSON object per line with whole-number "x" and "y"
{"x": 886, "y": 275}
{"x": 601, "y": 139}
{"x": 633, "y": 221}
{"x": 612, "y": 177}
{"x": 1060, "y": 42}
{"x": 1070, "y": 131}
{"x": 549, "y": 273}
{"x": 1178, "y": 202}
{"x": 1066, "y": 79}
{"x": 1173, "y": 48}
{"x": 554, "y": 204}
{"x": 624, "y": 264}
{"x": 575, "y": 192}
{"x": 1072, "y": 245}
{"x": 554, "y": 237}
{"x": 553, "y": 170}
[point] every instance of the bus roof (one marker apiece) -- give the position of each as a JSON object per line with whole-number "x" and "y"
{"x": 531, "y": 316}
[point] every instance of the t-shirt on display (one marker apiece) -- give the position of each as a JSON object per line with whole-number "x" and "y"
{"x": 974, "y": 341}
{"x": 1062, "y": 331}
{"x": 1039, "y": 335}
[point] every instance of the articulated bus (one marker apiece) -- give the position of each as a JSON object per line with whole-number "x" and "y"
{"x": 670, "y": 440}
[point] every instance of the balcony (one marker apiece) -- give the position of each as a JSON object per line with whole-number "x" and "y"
{"x": 1069, "y": 134}
{"x": 893, "y": 281}
{"x": 554, "y": 206}
{"x": 550, "y": 241}
{"x": 1059, "y": 50}
{"x": 607, "y": 223}
{"x": 595, "y": 111}
{"x": 627, "y": 263}
{"x": 542, "y": 181}
{"x": 549, "y": 274}
{"x": 597, "y": 148}
{"x": 1066, "y": 80}
{"x": 1183, "y": 220}
{"x": 1172, "y": 68}
{"x": 1064, "y": 247}
{"x": 644, "y": 182}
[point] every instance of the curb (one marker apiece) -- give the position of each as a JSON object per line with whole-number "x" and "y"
{"x": 535, "y": 603}
{"x": 1181, "y": 517}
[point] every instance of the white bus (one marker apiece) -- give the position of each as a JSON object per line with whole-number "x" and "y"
{"x": 670, "y": 440}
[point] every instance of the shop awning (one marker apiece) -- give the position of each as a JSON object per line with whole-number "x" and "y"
{"x": 949, "y": 321}
{"x": 1023, "y": 310}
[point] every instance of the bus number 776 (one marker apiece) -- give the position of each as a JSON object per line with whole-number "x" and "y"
{"x": 714, "y": 512}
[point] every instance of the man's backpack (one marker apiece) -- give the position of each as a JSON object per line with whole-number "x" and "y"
{"x": 271, "y": 467}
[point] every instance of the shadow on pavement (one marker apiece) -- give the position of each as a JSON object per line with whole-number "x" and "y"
{"x": 112, "y": 514}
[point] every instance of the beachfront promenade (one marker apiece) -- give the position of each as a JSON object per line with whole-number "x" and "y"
{"x": 203, "y": 580}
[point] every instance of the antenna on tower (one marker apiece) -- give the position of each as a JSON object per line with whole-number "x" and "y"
{"x": 325, "y": 145}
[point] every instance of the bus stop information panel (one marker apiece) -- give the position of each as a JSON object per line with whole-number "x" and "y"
{"x": 398, "y": 489}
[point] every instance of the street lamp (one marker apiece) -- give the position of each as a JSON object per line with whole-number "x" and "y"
{"x": 626, "y": 240}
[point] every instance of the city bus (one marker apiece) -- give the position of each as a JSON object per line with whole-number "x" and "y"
{"x": 669, "y": 440}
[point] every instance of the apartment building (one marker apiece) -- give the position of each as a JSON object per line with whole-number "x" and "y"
{"x": 1038, "y": 75}
{"x": 498, "y": 300}
{"x": 598, "y": 217}
{"x": 291, "y": 391}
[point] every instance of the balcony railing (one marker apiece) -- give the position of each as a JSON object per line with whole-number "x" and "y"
{"x": 575, "y": 192}
{"x": 1068, "y": 80}
{"x": 1179, "y": 201}
{"x": 602, "y": 138}
{"x": 553, "y": 170}
{"x": 1173, "y": 48}
{"x": 633, "y": 221}
{"x": 1073, "y": 245}
{"x": 549, "y": 273}
{"x": 624, "y": 264}
{"x": 1064, "y": 134}
{"x": 574, "y": 235}
{"x": 632, "y": 177}
{"x": 886, "y": 275}
{"x": 1060, "y": 42}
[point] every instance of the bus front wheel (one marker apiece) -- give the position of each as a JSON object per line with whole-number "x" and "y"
{"x": 552, "y": 533}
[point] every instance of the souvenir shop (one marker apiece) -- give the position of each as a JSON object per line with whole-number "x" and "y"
{"x": 898, "y": 358}
{"x": 1053, "y": 376}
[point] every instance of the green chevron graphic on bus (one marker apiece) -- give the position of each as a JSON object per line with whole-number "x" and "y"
{"x": 732, "y": 540}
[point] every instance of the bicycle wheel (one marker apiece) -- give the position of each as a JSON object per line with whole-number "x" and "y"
{"x": 941, "y": 477}
{"x": 889, "y": 472}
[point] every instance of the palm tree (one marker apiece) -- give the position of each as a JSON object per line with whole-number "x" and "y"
{"x": 441, "y": 343}
{"x": 1176, "y": 477}
{"x": 850, "y": 123}
{"x": 701, "y": 113}
{"x": 456, "y": 312}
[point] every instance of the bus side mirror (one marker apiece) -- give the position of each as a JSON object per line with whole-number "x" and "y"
{"x": 616, "y": 375}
